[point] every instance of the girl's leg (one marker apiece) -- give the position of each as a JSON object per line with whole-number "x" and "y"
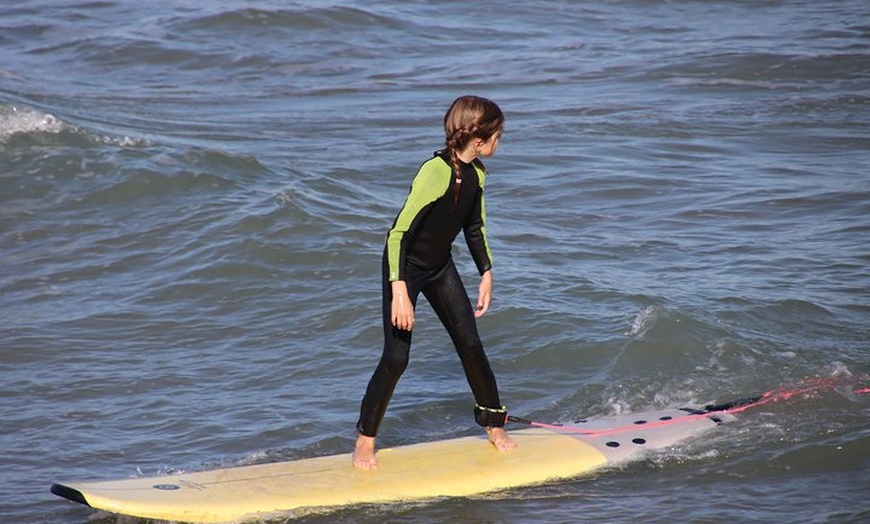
{"x": 450, "y": 301}
{"x": 394, "y": 360}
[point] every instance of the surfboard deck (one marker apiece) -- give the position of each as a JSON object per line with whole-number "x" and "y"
{"x": 448, "y": 468}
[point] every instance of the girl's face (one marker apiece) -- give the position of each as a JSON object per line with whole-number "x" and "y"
{"x": 488, "y": 148}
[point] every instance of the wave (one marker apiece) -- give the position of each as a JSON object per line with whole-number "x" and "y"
{"x": 226, "y": 39}
{"x": 35, "y": 127}
{"x": 22, "y": 120}
{"x": 329, "y": 18}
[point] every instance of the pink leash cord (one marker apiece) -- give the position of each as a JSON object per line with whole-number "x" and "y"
{"x": 775, "y": 395}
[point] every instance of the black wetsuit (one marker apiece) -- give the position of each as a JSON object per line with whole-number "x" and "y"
{"x": 418, "y": 251}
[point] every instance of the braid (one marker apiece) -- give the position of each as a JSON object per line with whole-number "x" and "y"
{"x": 456, "y": 143}
{"x": 457, "y": 176}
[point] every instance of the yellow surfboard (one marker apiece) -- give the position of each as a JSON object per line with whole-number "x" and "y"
{"x": 456, "y": 467}
{"x": 448, "y": 468}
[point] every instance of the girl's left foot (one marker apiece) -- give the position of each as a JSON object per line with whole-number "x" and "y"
{"x": 500, "y": 439}
{"x": 364, "y": 453}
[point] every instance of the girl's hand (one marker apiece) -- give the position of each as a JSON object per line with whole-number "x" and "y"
{"x": 485, "y": 294}
{"x": 402, "y": 312}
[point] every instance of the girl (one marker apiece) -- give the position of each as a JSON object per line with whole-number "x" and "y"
{"x": 446, "y": 196}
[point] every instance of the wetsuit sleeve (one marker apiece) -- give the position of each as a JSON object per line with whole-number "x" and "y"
{"x": 475, "y": 231}
{"x": 430, "y": 183}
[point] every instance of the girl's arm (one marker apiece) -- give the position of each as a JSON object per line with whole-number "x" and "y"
{"x": 432, "y": 180}
{"x": 475, "y": 234}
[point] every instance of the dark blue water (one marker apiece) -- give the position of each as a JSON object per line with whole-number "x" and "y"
{"x": 193, "y": 199}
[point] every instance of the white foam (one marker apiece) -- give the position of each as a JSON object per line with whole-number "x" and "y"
{"x": 644, "y": 320}
{"x": 838, "y": 369}
{"x": 22, "y": 119}
{"x": 15, "y": 120}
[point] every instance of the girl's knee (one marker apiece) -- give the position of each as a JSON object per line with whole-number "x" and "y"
{"x": 470, "y": 347}
{"x": 395, "y": 362}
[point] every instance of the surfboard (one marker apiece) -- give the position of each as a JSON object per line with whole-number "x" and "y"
{"x": 448, "y": 468}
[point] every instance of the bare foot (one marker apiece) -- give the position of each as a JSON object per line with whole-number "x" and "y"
{"x": 364, "y": 453}
{"x": 500, "y": 439}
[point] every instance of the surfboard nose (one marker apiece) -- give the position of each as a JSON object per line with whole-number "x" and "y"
{"x": 69, "y": 493}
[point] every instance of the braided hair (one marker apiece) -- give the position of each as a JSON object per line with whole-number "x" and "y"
{"x": 469, "y": 117}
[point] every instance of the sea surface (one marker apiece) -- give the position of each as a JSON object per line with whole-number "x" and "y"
{"x": 194, "y": 197}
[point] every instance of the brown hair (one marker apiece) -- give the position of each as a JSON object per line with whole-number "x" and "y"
{"x": 468, "y": 118}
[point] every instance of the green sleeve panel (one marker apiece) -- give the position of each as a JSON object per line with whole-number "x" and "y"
{"x": 432, "y": 181}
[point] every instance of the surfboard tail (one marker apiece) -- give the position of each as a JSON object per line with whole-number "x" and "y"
{"x": 732, "y": 405}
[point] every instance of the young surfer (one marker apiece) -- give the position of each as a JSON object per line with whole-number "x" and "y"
{"x": 446, "y": 196}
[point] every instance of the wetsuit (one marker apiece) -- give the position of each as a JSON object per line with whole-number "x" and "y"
{"x": 418, "y": 251}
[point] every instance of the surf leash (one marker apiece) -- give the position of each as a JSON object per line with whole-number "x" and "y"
{"x": 807, "y": 388}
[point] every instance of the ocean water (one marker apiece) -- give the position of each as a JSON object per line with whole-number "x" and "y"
{"x": 194, "y": 196}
